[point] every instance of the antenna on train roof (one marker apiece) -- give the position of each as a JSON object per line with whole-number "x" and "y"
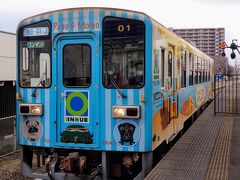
{"x": 232, "y": 46}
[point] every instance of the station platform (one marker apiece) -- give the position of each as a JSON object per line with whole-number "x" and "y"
{"x": 209, "y": 150}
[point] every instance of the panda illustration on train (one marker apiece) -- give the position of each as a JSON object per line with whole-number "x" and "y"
{"x": 101, "y": 92}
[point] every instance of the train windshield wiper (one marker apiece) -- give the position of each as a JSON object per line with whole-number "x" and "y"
{"x": 40, "y": 82}
{"x": 115, "y": 85}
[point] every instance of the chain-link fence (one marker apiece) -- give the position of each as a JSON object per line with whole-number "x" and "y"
{"x": 7, "y": 117}
{"x": 7, "y": 135}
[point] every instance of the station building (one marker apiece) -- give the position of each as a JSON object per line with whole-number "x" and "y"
{"x": 7, "y": 57}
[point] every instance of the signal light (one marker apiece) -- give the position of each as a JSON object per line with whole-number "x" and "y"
{"x": 233, "y": 55}
{"x": 223, "y": 45}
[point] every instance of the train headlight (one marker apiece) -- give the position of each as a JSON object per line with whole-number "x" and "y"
{"x": 118, "y": 112}
{"x": 36, "y": 110}
{"x": 126, "y": 112}
{"x": 31, "y": 109}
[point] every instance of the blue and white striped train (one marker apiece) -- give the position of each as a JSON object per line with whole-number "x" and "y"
{"x": 101, "y": 91}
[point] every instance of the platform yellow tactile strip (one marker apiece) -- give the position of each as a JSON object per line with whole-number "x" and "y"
{"x": 220, "y": 160}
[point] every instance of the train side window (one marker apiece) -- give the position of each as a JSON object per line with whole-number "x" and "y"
{"x": 183, "y": 63}
{"x": 206, "y": 70}
{"x": 196, "y": 70}
{"x": 199, "y": 70}
{"x": 209, "y": 72}
{"x": 170, "y": 58}
{"x": 191, "y": 68}
{"x": 25, "y": 62}
{"x": 162, "y": 66}
{"x": 76, "y": 65}
{"x": 203, "y": 70}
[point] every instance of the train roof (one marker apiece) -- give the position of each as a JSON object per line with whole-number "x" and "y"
{"x": 83, "y": 8}
{"x": 90, "y": 8}
{"x": 181, "y": 39}
{"x": 114, "y": 9}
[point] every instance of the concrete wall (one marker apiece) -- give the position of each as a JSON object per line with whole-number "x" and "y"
{"x": 7, "y": 56}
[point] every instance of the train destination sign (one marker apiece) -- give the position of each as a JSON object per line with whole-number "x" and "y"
{"x": 37, "y": 31}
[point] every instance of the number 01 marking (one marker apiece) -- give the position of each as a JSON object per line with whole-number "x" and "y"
{"x": 121, "y": 28}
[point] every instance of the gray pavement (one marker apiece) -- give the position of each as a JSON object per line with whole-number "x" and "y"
{"x": 209, "y": 150}
{"x": 189, "y": 158}
{"x": 234, "y": 170}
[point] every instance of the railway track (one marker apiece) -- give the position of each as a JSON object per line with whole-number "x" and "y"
{"x": 10, "y": 167}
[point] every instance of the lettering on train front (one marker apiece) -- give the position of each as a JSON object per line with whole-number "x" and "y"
{"x": 76, "y": 26}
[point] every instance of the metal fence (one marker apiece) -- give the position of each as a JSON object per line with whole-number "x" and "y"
{"x": 7, "y": 118}
{"x": 7, "y": 99}
{"x": 7, "y": 135}
{"x": 227, "y": 94}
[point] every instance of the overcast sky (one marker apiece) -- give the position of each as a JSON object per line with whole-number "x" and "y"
{"x": 171, "y": 13}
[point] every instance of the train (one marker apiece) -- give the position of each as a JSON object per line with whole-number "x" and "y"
{"x": 101, "y": 92}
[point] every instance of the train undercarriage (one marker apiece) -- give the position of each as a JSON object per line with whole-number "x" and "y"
{"x": 73, "y": 164}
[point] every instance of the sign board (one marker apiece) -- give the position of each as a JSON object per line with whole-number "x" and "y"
{"x": 37, "y": 31}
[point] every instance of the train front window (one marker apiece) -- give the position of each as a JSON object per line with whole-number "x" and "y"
{"x": 35, "y": 63}
{"x": 76, "y": 65}
{"x": 34, "y": 52}
{"x": 123, "y": 53}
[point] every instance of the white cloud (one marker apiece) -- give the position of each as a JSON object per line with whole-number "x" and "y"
{"x": 219, "y": 2}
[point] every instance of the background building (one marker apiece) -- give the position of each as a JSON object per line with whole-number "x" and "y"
{"x": 208, "y": 41}
{"x": 7, "y": 56}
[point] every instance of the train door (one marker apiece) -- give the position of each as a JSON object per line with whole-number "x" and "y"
{"x": 78, "y": 79}
{"x": 172, "y": 92}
